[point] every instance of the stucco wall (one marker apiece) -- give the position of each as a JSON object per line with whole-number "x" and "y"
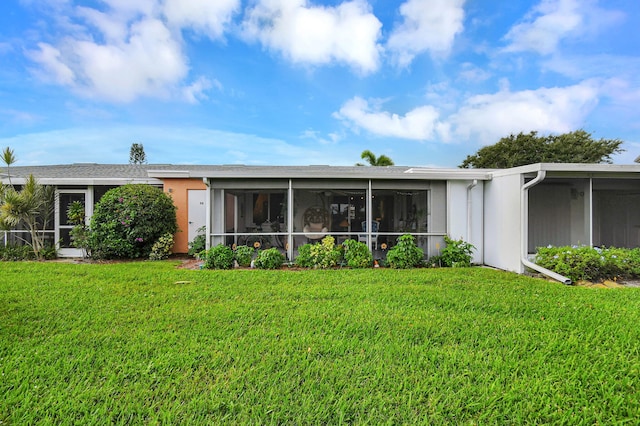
{"x": 502, "y": 213}
{"x": 460, "y": 224}
{"x": 178, "y": 190}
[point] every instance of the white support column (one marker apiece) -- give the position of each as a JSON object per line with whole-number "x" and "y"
{"x": 208, "y": 214}
{"x": 590, "y": 218}
{"x": 290, "y": 221}
{"x": 369, "y": 216}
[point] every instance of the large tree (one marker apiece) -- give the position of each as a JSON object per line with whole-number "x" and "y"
{"x": 370, "y": 158}
{"x": 522, "y": 149}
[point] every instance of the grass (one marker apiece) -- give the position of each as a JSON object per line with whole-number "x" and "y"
{"x": 145, "y": 342}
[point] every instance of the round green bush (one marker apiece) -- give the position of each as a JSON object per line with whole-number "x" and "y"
{"x": 269, "y": 259}
{"x": 243, "y": 255}
{"x": 162, "y": 247}
{"x": 128, "y": 220}
{"x": 304, "y": 259}
{"x": 405, "y": 254}
{"x": 357, "y": 254}
{"x": 219, "y": 257}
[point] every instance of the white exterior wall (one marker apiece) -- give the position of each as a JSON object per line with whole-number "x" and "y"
{"x": 502, "y": 230}
{"x": 465, "y": 215}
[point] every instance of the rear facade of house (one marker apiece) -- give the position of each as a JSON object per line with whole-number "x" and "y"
{"x": 505, "y": 214}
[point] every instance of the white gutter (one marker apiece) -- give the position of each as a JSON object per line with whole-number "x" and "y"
{"x": 469, "y": 188}
{"x": 524, "y": 225}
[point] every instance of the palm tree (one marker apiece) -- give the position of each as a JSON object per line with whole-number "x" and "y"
{"x": 32, "y": 205}
{"x": 369, "y": 156}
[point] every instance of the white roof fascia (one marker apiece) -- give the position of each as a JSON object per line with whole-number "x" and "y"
{"x": 570, "y": 168}
{"x": 450, "y": 174}
{"x": 88, "y": 182}
{"x": 324, "y": 172}
{"x": 168, "y": 174}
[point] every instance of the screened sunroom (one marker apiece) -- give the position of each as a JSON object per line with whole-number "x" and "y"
{"x": 288, "y": 212}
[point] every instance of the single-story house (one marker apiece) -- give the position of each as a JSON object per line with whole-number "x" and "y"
{"x": 504, "y": 213}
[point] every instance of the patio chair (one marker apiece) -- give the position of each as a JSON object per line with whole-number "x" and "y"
{"x": 315, "y": 223}
{"x": 375, "y": 227}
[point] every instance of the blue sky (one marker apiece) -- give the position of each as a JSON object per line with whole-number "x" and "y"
{"x": 295, "y": 82}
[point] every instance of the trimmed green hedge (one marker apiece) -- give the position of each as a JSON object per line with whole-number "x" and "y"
{"x": 590, "y": 263}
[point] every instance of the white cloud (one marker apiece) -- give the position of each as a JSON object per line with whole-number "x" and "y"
{"x": 545, "y": 26}
{"x": 130, "y": 49}
{"x": 314, "y": 135}
{"x": 551, "y": 21}
{"x": 54, "y": 68}
{"x": 196, "y": 91}
{"x": 485, "y": 118}
{"x": 317, "y": 35}
{"x": 554, "y": 110}
{"x": 472, "y": 73}
{"x": 147, "y": 63}
{"x": 17, "y": 116}
{"x": 209, "y": 17}
{"x": 110, "y": 28}
{"x": 417, "y": 124}
{"x": 428, "y": 25}
{"x": 132, "y": 9}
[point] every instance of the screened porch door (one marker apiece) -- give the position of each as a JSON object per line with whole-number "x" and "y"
{"x": 63, "y": 225}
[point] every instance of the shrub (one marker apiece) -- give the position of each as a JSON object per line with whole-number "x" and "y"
{"x": 17, "y": 252}
{"x": 405, "y": 254}
{"x": 199, "y": 243}
{"x": 161, "y": 249}
{"x": 129, "y": 219}
{"x": 619, "y": 262}
{"x": 48, "y": 252}
{"x": 325, "y": 254}
{"x": 304, "y": 259}
{"x": 12, "y": 252}
{"x": 80, "y": 232}
{"x": 269, "y": 259}
{"x": 243, "y": 255}
{"x": 590, "y": 263}
{"x": 357, "y": 254}
{"x": 457, "y": 253}
{"x": 218, "y": 257}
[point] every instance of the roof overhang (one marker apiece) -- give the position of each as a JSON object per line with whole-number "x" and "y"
{"x": 574, "y": 170}
{"x": 87, "y": 181}
{"x": 171, "y": 174}
{"x": 322, "y": 172}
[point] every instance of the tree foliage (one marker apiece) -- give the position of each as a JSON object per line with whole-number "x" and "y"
{"x": 137, "y": 154}
{"x": 8, "y": 158}
{"x": 370, "y": 158}
{"x": 129, "y": 219}
{"x": 523, "y": 149}
{"x": 31, "y": 207}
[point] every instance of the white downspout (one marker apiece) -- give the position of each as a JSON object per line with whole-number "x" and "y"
{"x": 524, "y": 225}
{"x": 469, "y": 188}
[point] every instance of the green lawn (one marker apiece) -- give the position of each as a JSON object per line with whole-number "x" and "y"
{"x": 134, "y": 343}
